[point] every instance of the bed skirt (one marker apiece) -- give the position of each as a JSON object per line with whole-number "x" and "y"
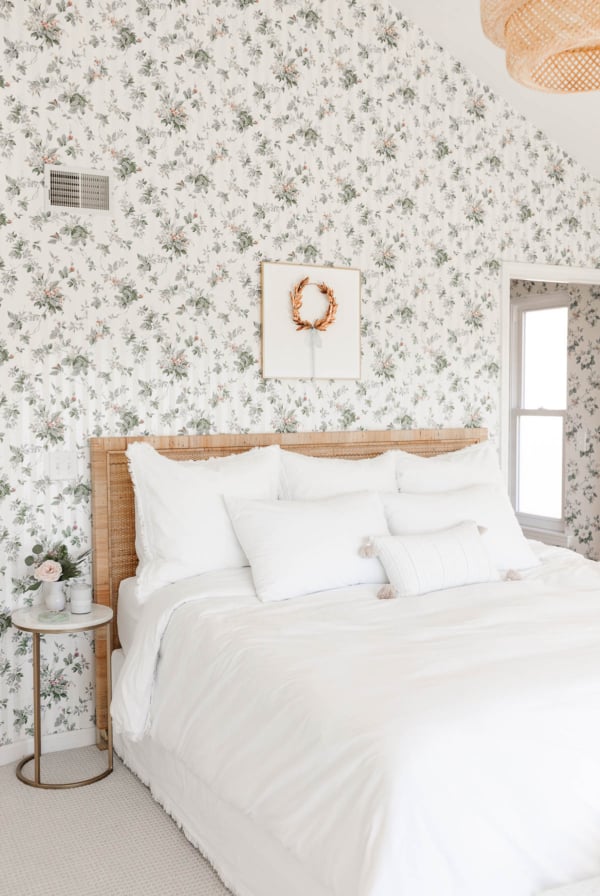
{"x": 247, "y": 860}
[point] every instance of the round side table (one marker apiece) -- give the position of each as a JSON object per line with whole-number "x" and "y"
{"x": 39, "y": 621}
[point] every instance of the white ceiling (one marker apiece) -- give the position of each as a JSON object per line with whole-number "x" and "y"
{"x": 572, "y": 120}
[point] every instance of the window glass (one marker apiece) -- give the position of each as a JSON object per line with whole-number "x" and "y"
{"x": 540, "y": 466}
{"x": 545, "y": 358}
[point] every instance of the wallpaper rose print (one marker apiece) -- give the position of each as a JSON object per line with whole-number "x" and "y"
{"x": 239, "y": 131}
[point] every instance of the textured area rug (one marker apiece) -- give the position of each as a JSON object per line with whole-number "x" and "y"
{"x": 107, "y": 839}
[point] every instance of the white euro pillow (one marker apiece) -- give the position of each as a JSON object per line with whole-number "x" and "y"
{"x": 304, "y": 477}
{"x": 182, "y": 525}
{"x": 435, "y": 561}
{"x": 299, "y": 547}
{"x": 487, "y": 505}
{"x": 475, "y": 465}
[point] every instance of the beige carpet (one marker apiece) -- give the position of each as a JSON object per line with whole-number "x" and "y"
{"x": 108, "y": 839}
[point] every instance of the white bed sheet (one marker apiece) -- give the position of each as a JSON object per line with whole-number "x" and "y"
{"x": 129, "y": 611}
{"x": 117, "y": 659}
{"x": 446, "y": 744}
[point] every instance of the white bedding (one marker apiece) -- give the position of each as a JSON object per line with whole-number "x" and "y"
{"x": 445, "y": 744}
{"x": 129, "y": 611}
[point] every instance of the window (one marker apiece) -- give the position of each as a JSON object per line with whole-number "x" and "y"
{"x": 538, "y": 409}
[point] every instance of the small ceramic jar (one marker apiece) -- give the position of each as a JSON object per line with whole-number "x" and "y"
{"x": 81, "y": 597}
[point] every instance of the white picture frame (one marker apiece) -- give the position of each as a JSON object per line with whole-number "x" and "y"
{"x": 289, "y": 353}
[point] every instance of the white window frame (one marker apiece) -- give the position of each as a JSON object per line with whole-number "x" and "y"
{"x": 534, "y": 525}
{"x": 545, "y": 273}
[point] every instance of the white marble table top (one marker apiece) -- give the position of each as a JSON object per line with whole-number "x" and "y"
{"x": 39, "y": 619}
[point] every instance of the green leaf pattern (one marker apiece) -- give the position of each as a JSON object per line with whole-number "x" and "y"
{"x": 236, "y": 131}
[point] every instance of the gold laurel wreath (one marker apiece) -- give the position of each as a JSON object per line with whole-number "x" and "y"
{"x": 323, "y": 322}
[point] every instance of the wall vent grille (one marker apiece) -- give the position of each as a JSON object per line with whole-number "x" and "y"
{"x": 77, "y": 190}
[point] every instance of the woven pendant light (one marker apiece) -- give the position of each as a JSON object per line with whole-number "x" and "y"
{"x": 551, "y": 45}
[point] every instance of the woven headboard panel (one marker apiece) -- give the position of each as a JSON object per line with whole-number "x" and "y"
{"x": 113, "y": 520}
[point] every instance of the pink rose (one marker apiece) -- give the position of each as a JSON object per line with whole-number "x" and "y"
{"x": 48, "y": 571}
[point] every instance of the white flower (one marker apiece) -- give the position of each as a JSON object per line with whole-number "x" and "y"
{"x": 48, "y": 571}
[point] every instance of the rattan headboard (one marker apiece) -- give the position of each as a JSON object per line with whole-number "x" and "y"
{"x": 113, "y": 521}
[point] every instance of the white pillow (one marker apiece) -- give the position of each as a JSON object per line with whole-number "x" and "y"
{"x": 416, "y": 564}
{"x": 487, "y": 505}
{"x": 475, "y": 465}
{"x": 304, "y": 477}
{"x": 301, "y": 547}
{"x": 182, "y": 525}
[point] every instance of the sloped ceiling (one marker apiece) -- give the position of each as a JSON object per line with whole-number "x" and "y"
{"x": 572, "y": 121}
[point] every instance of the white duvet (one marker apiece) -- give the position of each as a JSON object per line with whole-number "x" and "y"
{"x": 444, "y": 745}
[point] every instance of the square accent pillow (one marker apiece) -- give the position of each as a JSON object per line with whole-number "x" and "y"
{"x": 487, "y": 505}
{"x": 304, "y": 477}
{"x": 299, "y": 547}
{"x": 182, "y": 525}
{"x": 417, "y": 564}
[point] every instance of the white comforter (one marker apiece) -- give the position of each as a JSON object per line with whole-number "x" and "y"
{"x": 446, "y": 745}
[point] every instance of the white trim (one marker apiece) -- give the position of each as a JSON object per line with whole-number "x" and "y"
{"x": 534, "y": 523}
{"x": 540, "y": 300}
{"x": 518, "y": 308}
{"x": 51, "y": 743}
{"x": 560, "y": 539}
{"x": 545, "y": 530}
{"x": 515, "y": 270}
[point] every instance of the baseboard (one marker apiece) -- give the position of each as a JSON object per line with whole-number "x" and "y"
{"x": 65, "y": 740}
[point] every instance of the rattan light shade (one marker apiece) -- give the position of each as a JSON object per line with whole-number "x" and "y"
{"x": 551, "y": 45}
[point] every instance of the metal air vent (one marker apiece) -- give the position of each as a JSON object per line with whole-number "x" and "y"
{"x": 72, "y": 189}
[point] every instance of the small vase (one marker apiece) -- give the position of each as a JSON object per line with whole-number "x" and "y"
{"x": 54, "y": 596}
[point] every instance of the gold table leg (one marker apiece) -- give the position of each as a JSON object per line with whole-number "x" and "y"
{"x": 37, "y": 710}
{"x": 37, "y": 726}
{"x": 109, "y": 694}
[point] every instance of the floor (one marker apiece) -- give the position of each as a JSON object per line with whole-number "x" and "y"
{"x": 106, "y": 839}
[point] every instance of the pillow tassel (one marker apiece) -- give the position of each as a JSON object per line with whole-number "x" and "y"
{"x": 367, "y": 549}
{"x": 387, "y": 592}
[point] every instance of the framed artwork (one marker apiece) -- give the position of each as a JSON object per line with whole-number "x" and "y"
{"x": 310, "y": 321}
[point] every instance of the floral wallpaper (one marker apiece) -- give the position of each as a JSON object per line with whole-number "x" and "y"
{"x": 237, "y": 131}
{"x": 582, "y": 455}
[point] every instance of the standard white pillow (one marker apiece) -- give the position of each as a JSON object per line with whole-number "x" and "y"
{"x": 475, "y": 465}
{"x": 182, "y": 525}
{"x": 487, "y": 505}
{"x": 304, "y": 477}
{"x": 416, "y": 564}
{"x": 301, "y": 547}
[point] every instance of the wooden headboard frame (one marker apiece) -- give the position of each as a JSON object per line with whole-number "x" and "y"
{"x": 113, "y": 521}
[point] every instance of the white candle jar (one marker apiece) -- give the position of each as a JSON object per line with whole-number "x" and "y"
{"x": 81, "y": 597}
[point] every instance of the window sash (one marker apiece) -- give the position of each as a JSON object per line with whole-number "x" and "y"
{"x": 529, "y": 520}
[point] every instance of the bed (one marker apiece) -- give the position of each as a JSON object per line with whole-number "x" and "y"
{"x": 339, "y": 744}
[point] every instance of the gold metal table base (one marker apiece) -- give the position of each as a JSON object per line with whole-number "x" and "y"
{"x": 37, "y": 716}
{"x": 44, "y": 786}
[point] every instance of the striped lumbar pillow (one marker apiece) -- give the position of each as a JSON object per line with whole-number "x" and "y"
{"x": 433, "y": 561}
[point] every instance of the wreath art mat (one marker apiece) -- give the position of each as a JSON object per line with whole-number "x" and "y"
{"x": 302, "y": 338}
